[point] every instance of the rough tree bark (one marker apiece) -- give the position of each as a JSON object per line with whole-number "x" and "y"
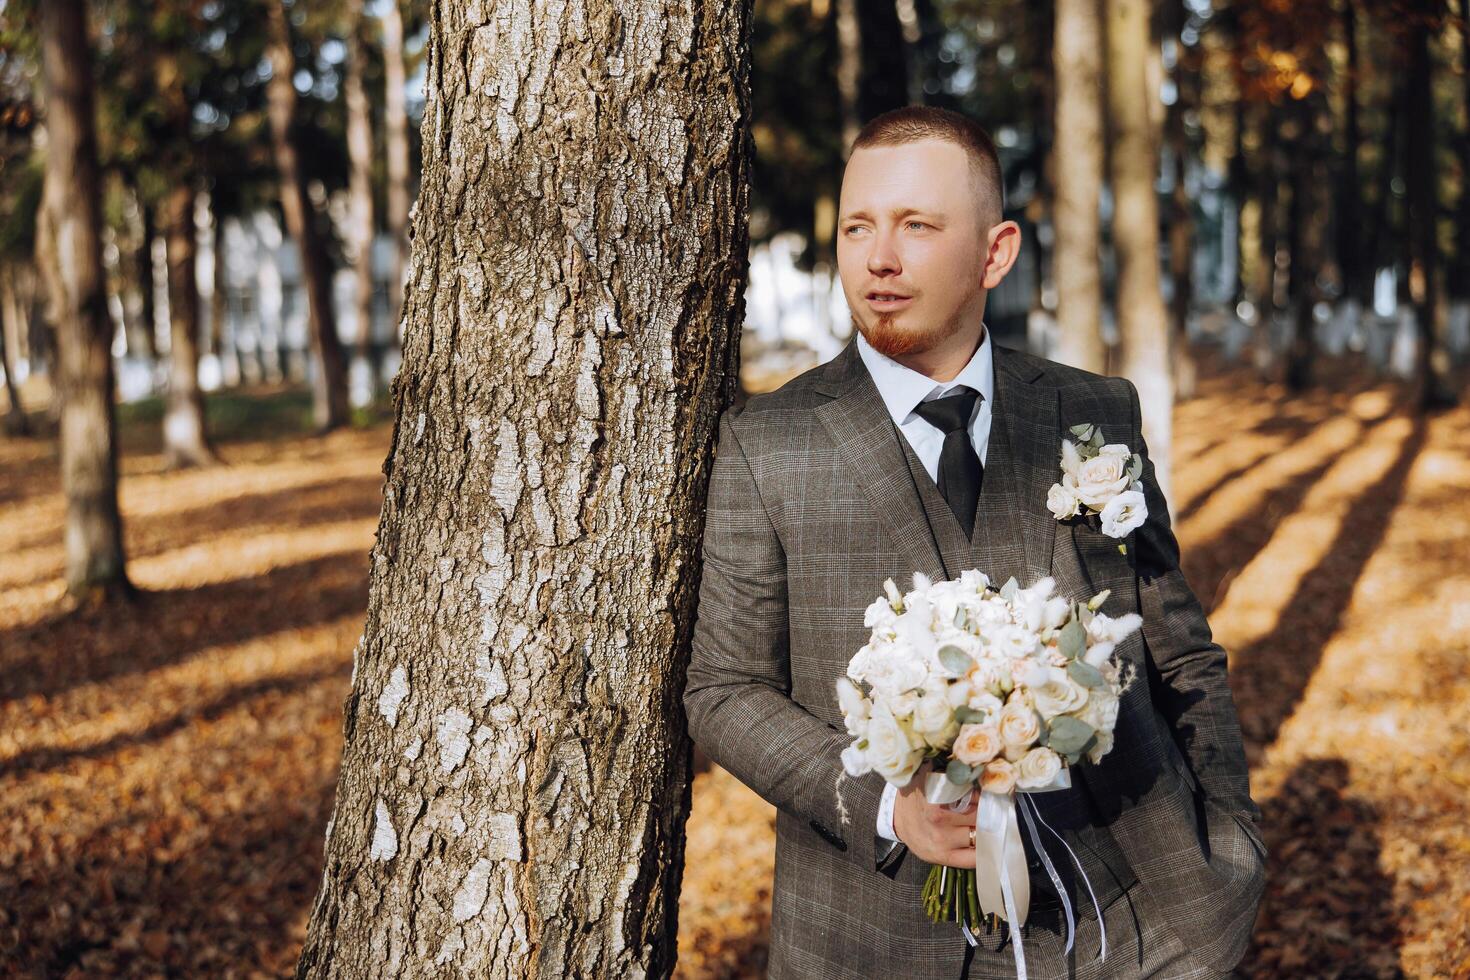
{"x": 95, "y": 567}
{"x": 1142, "y": 320}
{"x": 360, "y": 181}
{"x": 1079, "y": 162}
{"x": 395, "y": 139}
{"x": 184, "y": 440}
{"x": 515, "y": 773}
{"x": 329, "y": 383}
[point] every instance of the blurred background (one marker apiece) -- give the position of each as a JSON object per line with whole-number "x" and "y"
{"x": 1297, "y": 298}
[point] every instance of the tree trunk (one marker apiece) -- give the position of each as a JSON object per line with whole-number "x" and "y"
{"x": 1079, "y": 162}
{"x": 1307, "y": 233}
{"x": 514, "y": 779}
{"x": 1461, "y": 288}
{"x": 143, "y": 277}
{"x": 360, "y": 155}
{"x": 16, "y": 423}
{"x": 1437, "y": 388}
{"x": 1356, "y": 281}
{"x": 95, "y": 567}
{"x": 395, "y": 132}
{"x": 871, "y": 74}
{"x": 184, "y": 440}
{"x": 1181, "y": 202}
{"x": 1142, "y": 320}
{"x": 329, "y": 383}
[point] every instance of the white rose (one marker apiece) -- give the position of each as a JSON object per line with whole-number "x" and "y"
{"x": 933, "y": 714}
{"x": 855, "y": 707}
{"x": 1038, "y": 768}
{"x": 1123, "y": 513}
{"x": 1062, "y": 501}
{"x": 889, "y": 749}
{"x": 879, "y": 614}
{"x": 1101, "y": 478}
{"x": 855, "y": 761}
{"x": 986, "y": 702}
{"x": 1012, "y": 642}
{"x": 999, "y": 777}
{"x": 974, "y": 581}
{"x": 975, "y": 745}
{"x": 903, "y": 704}
{"x": 1101, "y": 711}
{"x": 1019, "y": 726}
{"x": 1059, "y": 694}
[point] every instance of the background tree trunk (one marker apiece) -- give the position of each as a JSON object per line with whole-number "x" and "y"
{"x": 395, "y": 133}
{"x": 143, "y": 279}
{"x": 16, "y": 423}
{"x": 95, "y": 567}
{"x": 360, "y": 155}
{"x": 1079, "y": 162}
{"x": 1187, "y": 86}
{"x": 1435, "y": 373}
{"x": 515, "y": 773}
{"x": 329, "y": 384}
{"x": 1142, "y": 320}
{"x": 184, "y": 439}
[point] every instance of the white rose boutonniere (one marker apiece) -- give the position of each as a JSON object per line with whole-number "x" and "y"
{"x": 1099, "y": 478}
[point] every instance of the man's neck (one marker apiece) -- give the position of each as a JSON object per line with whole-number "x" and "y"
{"x": 944, "y": 363}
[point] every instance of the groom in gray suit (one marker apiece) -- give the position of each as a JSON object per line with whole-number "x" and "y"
{"x": 924, "y": 447}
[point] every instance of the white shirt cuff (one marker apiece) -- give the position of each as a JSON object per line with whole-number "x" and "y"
{"x": 885, "y": 812}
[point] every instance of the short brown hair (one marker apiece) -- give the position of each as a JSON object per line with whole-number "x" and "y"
{"x": 913, "y": 123}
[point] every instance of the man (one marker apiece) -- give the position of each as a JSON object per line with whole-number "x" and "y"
{"x": 923, "y": 447}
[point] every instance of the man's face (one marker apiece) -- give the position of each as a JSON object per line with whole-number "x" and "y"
{"x": 910, "y": 247}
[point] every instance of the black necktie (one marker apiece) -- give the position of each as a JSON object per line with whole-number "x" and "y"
{"x": 960, "y": 472}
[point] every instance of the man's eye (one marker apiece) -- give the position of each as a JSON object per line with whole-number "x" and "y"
{"x": 918, "y": 223}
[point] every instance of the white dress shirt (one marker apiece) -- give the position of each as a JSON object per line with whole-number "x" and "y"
{"x": 902, "y": 389}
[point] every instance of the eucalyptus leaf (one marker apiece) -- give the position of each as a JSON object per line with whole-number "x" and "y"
{"x": 1085, "y": 674}
{"x": 1073, "y": 641}
{"x": 1083, "y": 431}
{"x": 967, "y": 715}
{"x": 1135, "y": 467}
{"x": 955, "y": 660}
{"x": 1097, "y": 439}
{"x": 1067, "y": 735}
{"x": 961, "y": 615}
{"x": 959, "y": 773}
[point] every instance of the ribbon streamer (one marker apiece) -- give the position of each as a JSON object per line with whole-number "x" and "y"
{"x": 1001, "y": 879}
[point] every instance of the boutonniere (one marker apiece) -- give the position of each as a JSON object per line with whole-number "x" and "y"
{"x": 1102, "y": 479}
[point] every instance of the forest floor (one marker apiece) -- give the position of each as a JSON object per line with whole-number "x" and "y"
{"x": 166, "y": 770}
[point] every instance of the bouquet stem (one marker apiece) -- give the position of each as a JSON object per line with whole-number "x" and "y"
{"x": 950, "y": 896}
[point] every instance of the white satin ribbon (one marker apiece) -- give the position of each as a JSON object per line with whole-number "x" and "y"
{"x": 1001, "y": 880}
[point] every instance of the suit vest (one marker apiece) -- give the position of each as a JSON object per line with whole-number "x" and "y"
{"x": 997, "y": 550}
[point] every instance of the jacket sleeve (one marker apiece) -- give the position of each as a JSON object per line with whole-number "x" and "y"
{"x": 1187, "y": 669}
{"x": 737, "y": 695}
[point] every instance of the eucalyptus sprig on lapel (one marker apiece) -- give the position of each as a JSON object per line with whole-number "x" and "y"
{"x": 1101, "y": 478}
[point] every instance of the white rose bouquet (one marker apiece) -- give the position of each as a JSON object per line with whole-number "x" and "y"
{"x": 1099, "y": 478}
{"x": 1000, "y": 689}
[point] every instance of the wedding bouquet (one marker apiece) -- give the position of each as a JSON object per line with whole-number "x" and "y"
{"x": 1000, "y": 689}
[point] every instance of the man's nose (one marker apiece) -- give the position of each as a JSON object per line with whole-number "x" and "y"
{"x": 883, "y": 258}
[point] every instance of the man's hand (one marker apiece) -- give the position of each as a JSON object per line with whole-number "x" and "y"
{"x": 937, "y": 834}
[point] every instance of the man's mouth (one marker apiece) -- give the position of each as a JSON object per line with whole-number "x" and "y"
{"x": 887, "y": 300}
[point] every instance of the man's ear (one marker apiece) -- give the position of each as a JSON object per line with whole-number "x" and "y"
{"x": 1003, "y": 246}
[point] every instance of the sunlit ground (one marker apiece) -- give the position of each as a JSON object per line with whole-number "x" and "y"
{"x": 166, "y": 771}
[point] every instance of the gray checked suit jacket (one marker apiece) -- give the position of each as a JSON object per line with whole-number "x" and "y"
{"x": 812, "y": 504}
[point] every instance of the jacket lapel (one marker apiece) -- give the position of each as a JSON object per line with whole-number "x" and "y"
{"x": 1024, "y": 434}
{"x": 864, "y": 435}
